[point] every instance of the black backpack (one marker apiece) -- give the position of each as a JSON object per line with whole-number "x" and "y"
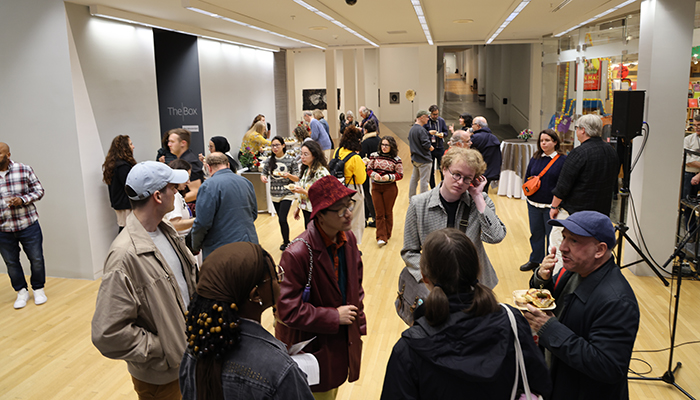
{"x": 337, "y": 166}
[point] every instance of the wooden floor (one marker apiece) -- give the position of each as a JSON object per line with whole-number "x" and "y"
{"x": 46, "y": 352}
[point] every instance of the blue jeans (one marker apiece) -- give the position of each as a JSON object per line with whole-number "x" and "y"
{"x": 539, "y": 232}
{"x": 31, "y": 240}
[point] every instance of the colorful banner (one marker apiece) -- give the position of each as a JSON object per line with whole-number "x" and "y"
{"x": 591, "y": 75}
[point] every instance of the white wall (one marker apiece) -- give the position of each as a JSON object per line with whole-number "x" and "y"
{"x": 398, "y": 73}
{"x": 451, "y": 63}
{"x": 519, "y": 100}
{"x": 71, "y": 82}
{"x": 39, "y": 124}
{"x": 309, "y": 73}
{"x": 371, "y": 77}
{"x": 237, "y": 84}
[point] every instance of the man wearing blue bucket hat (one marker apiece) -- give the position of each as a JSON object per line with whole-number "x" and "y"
{"x": 590, "y": 334}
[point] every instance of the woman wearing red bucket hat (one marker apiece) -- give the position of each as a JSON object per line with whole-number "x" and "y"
{"x": 322, "y": 297}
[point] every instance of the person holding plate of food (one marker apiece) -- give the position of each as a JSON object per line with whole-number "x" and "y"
{"x": 280, "y": 170}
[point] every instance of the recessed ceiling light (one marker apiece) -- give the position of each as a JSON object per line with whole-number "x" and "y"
{"x": 318, "y": 28}
{"x": 462, "y": 21}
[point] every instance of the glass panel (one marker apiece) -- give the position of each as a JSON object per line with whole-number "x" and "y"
{"x": 623, "y": 29}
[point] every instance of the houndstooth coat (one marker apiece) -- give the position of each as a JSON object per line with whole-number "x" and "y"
{"x": 426, "y": 214}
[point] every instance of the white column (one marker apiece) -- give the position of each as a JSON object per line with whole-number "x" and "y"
{"x": 666, "y": 32}
{"x": 292, "y": 106}
{"x": 427, "y": 73}
{"x": 481, "y": 69}
{"x": 504, "y": 114}
{"x": 360, "y": 67}
{"x": 349, "y": 97}
{"x": 331, "y": 92}
{"x": 486, "y": 85}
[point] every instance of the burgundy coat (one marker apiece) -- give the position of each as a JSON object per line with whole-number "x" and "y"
{"x": 337, "y": 348}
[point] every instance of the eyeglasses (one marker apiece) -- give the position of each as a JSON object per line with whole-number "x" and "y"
{"x": 341, "y": 212}
{"x": 280, "y": 275}
{"x": 276, "y": 145}
{"x": 458, "y": 177}
{"x": 435, "y": 114}
{"x": 386, "y": 145}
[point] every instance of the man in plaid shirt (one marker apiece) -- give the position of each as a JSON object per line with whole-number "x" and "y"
{"x": 19, "y": 223}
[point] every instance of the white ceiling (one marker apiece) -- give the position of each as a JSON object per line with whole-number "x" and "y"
{"x": 387, "y": 22}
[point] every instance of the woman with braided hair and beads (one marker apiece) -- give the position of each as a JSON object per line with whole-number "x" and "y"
{"x": 230, "y": 355}
{"x": 462, "y": 341}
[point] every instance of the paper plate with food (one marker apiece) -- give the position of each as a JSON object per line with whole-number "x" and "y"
{"x": 291, "y": 186}
{"x": 539, "y": 298}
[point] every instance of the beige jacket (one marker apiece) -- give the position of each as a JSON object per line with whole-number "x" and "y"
{"x": 139, "y": 315}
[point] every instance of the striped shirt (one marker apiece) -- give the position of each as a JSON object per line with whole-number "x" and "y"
{"x": 20, "y": 181}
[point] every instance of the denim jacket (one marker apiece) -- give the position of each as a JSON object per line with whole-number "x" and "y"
{"x": 259, "y": 368}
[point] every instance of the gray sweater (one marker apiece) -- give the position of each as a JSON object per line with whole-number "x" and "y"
{"x": 419, "y": 141}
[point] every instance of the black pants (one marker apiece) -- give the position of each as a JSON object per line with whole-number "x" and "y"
{"x": 282, "y": 209}
{"x": 369, "y": 206}
{"x": 307, "y": 218}
{"x": 436, "y": 154}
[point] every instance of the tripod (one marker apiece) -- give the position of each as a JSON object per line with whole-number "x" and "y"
{"x": 669, "y": 375}
{"x": 624, "y": 150}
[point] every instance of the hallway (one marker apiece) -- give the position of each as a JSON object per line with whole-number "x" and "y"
{"x": 459, "y": 98}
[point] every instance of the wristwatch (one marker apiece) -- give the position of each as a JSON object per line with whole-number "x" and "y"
{"x": 553, "y": 207}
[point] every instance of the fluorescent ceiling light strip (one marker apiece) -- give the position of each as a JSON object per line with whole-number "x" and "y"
{"x": 147, "y": 25}
{"x": 211, "y": 14}
{"x": 604, "y": 13}
{"x": 333, "y": 20}
{"x": 421, "y": 19}
{"x": 509, "y": 19}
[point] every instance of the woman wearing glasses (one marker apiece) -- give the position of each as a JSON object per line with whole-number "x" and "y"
{"x": 459, "y": 202}
{"x": 385, "y": 168}
{"x": 313, "y": 168}
{"x": 322, "y": 296}
{"x": 280, "y": 170}
{"x": 230, "y": 355}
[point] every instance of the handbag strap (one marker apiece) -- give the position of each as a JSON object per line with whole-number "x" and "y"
{"x": 519, "y": 358}
{"x": 311, "y": 260}
{"x": 548, "y": 165}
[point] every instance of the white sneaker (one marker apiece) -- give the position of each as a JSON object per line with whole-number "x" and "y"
{"x": 380, "y": 243}
{"x": 39, "y": 297}
{"x": 22, "y": 297}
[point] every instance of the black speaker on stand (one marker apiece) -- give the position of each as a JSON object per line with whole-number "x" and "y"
{"x": 627, "y": 120}
{"x": 628, "y": 117}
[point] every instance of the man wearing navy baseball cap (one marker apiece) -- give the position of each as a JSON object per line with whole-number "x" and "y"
{"x": 589, "y": 336}
{"x": 149, "y": 277}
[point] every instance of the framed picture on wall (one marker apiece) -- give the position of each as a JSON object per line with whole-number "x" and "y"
{"x": 315, "y": 99}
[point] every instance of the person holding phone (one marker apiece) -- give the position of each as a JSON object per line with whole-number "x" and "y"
{"x": 458, "y": 202}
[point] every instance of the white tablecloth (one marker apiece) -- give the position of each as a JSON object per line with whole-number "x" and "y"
{"x": 516, "y": 155}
